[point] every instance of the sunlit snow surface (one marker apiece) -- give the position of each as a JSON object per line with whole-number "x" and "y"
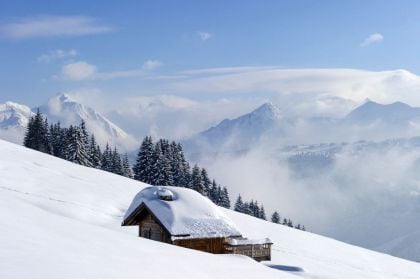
{"x": 61, "y": 220}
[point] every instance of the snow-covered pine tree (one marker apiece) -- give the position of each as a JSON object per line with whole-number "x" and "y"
{"x": 127, "y": 172}
{"x": 36, "y": 134}
{"x": 94, "y": 153}
{"x": 174, "y": 163}
{"x": 76, "y": 149}
{"x": 247, "y": 209}
{"x": 239, "y": 205}
{"x": 116, "y": 163}
{"x": 47, "y": 137}
{"x": 206, "y": 182}
{"x": 197, "y": 180}
{"x": 262, "y": 213}
{"x": 225, "y": 198}
{"x": 186, "y": 180}
{"x": 144, "y": 163}
{"x": 57, "y": 139}
{"x": 213, "y": 192}
{"x": 106, "y": 162}
{"x": 275, "y": 218}
{"x": 161, "y": 168}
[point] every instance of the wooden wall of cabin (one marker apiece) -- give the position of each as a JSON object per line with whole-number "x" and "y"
{"x": 211, "y": 245}
{"x": 149, "y": 228}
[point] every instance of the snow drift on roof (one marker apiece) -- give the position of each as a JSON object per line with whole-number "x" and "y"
{"x": 189, "y": 213}
{"x": 246, "y": 241}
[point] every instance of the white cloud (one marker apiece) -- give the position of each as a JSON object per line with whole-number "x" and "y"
{"x": 373, "y": 38}
{"x": 204, "y": 36}
{"x": 305, "y": 84}
{"x": 52, "y": 26}
{"x": 151, "y": 64}
{"x": 81, "y": 70}
{"x": 56, "y": 54}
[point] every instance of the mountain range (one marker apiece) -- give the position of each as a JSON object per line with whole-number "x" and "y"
{"x": 62, "y": 108}
{"x": 267, "y": 126}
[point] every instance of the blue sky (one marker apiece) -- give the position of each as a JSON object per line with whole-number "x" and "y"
{"x": 133, "y": 47}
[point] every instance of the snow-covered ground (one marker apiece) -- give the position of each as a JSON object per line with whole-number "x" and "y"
{"x": 61, "y": 220}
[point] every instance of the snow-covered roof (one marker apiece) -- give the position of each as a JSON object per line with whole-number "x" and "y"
{"x": 188, "y": 215}
{"x": 246, "y": 241}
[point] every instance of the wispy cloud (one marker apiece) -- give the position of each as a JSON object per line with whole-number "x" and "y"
{"x": 151, "y": 64}
{"x": 348, "y": 84}
{"x": 53, "y": 26}
{"x": 204, "y": 36}
{"x": 373, "y": 38}
{"x": 56, "y": 54}
{"x": 82, "y": 70}
{"x": 79, "y": 70}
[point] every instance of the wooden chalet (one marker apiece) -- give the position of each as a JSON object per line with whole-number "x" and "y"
{"x": 183, "y": 217}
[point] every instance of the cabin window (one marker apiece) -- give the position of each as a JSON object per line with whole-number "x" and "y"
{"x": 147, "y": 233}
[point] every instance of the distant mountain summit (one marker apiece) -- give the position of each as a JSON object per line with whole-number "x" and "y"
{"x": 13, "y": 121}
{"x": 68, "y": 111}
{"x": 15, "y": 117}
{"x": 395, "y": 113}
{"x": 235, "y": 135}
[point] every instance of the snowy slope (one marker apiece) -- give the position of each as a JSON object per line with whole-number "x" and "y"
{"x": 13, "y": 121}
{"x": 61, "y": 220}
{"x": 70, "y": 112}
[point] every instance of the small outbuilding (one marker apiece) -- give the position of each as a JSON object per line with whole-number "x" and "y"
{"x": 183, "y": 217}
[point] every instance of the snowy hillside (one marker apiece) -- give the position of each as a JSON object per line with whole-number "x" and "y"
{"x": 61, "y": 220}
{"x": 13, "y": 121}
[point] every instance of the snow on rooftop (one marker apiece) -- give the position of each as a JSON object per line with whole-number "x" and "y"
{"x": 246, "y": 241}
{"x": 188, "y": 214}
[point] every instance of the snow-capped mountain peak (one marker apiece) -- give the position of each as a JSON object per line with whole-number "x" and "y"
{"x": 14, "y": 115}
{"x": 14, "y": 118}
{"x": 268, "y": 111}
{"x": 68, "y": 111}
{"x": 394, "y": 113}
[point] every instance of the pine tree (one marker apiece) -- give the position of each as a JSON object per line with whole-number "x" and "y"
{"x": 106, "y": 162}
{"x": 213, "y": 192}
{"x": 76, "y": 149}
{"x": 57, "y": 140}
{"x": 94, "y": 153}
{"x": 239, "y": 205}
{"x": 225, "y": 198}
{"x": 275, "y": 218}
{"x": 144, "y": 163}
{"x": 206, "y": 182}
{"x": 197, "y": 180}
{"x": 161, "y": 169}
{"x": 262, "y": 213}
{"x": 36, "y": 136}
{"x": 127, "y": 172}
{"x": 290, "y": 223}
